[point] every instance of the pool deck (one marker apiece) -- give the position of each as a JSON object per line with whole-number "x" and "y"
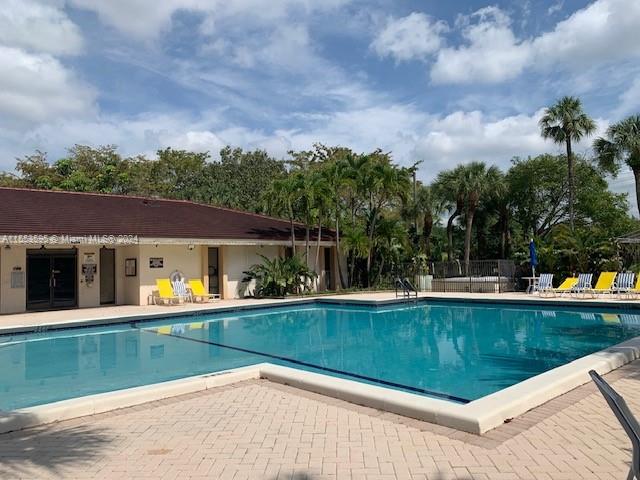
{"x": 259, "y": 430}
{"x": 110, "y": 314}
{"x": 250, "y": 427}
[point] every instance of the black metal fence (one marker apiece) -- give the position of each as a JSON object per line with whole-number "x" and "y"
{"x": 477, "y": 276}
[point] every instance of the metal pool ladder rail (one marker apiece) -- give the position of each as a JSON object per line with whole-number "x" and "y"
{"x": 404, "y": 286}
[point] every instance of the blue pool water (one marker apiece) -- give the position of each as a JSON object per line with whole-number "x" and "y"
{"x": 457, "y": 351}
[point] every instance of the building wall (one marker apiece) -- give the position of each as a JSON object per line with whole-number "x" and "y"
{"x": 12, "y": 300}
{"x": 127, "y": 288}
{"x": 175, "y": 257}
{"x": 233, "y": 261}
{"x": 236, "y": 260}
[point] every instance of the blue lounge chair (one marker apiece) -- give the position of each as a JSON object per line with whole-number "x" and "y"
{"x": 180, "y": 290}
{"x": 625, "y": 282}
{"x": 584, "y": 285}
{"x": 545, "y": 283}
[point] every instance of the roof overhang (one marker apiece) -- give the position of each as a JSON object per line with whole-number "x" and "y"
{"x": 124, "y": 240}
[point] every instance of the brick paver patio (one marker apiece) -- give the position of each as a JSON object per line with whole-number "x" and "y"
{"x": 262, "y": 430}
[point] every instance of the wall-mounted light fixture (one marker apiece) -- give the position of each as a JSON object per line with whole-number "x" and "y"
{"x": 191, "y": 246}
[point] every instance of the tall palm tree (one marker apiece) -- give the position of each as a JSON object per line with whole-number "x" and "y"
{"x": 621, "y": 145}
{"x": 381, "y": 184}
{"x": 448, "y": 187}
{"x": 566, "y": 122}
{"x": 281, "y": 199}
{"x": 478, "y": 181}
{"x": 338, "y": 174}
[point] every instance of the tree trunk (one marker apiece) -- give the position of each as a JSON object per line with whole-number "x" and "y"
{"x": 572, "y": 183}
{"x": 370, "y": 248}
{"x": 318, "y": 254}
{"x": 426, "y": 233}
{"x": 453, "y": 216}
{"x": 293, "y": 238}
{"x": 636, "y": 176}
{"x": 467, "y": 238}
{"x": 339, "y": 254}
{"x": 306, "y": 242}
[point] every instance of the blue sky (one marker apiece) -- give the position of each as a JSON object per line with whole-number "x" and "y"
{"x": 443, "y": 82}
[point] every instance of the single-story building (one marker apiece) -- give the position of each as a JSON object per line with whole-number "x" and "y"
{"x": 67, "y": 249}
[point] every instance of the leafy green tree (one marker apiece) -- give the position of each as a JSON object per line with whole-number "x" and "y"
{"x": 566, "y": 122}
{"x": 281, "y": 199}
{"x": 382, "y": 185}
{"x": 241, "y": 177}
{"x": 621, "y": 145}
{"x": 449, "y": 188}
{"x": 477, "y": 181}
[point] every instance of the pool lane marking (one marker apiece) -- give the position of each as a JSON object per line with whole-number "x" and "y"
{"x": 310, "y": 365}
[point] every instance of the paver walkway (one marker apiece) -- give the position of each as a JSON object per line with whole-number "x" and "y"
{"x": 262, "y": 430}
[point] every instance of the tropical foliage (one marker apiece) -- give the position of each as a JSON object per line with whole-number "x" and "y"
{"x": 277, "y": 277}
{"x": 381, "y": 214}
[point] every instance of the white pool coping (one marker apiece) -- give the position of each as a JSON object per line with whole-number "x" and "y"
{"x": 478, "y": 416}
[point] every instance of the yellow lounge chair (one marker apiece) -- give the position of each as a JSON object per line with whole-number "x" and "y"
{"x": 199, "y": 293}
{"x": 605, "y": 283}
{"x": 165, "y": 293}
{"x": 566, "y": 286}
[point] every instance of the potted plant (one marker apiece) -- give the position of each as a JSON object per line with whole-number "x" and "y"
{"x": 422, "y": 278}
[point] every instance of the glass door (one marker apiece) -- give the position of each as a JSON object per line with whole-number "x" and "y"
{"x": 38, "y": 282}
{"x": 63, "y": 281}
{"x": 214, "y": 275}
{"x": 51, "y": 279}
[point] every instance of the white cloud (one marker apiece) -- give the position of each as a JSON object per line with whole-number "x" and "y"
{"x": 145, "y": 19}
{"x": 605, "y": 31}
{"x": 492, "y": 53}
{"x": 556, "y": 7}
{"x": 412, "y": 37}
{"x": 629, "y": 100}
{"x": 601, "y": 33}
{"x": 37, "y": 87}
{"x": 35, "y": 26}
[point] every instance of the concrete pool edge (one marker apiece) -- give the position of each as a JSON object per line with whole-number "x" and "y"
{"x": 478, "y": 416}
{"x": 529, "y": 300}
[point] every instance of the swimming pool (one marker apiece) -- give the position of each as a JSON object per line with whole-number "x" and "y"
{"x": 458, "y": 352}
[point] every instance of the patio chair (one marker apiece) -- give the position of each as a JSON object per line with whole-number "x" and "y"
{"x": 626, "y": 419}
{"x": 565, "y": 287}
{"x": 180, "y": 290}
{"x": 165, "y": 293}
{"x": 583, "y": 285}
{"x": 624, "y": 283}
{"x": 635, "y": 291}
{"x": 604, "y": 284}
{"x": 198, "y": 292}
{"x": 545, "y": 284}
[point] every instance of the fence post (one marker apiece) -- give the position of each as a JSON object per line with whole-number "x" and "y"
{"x": 499, "y": 276}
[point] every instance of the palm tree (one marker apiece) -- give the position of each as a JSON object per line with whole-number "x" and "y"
{"x": 621, "y": 145}
{"x": 566, "y": 122}
{"x": 338, "y": 176}
{"x": 321, "y": 200}
{"x": 478, "y": 180}
{"x": 280, "y": 199}
{"x": 381, "y": 184}
{"x": 448, "y": 187}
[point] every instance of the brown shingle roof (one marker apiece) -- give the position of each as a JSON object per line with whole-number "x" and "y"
{"x": 25, "y": 211}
